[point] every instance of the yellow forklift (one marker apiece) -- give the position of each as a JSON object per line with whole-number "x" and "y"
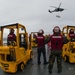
{"x": 68, "y": 51}
{"x": 14, "y": 56}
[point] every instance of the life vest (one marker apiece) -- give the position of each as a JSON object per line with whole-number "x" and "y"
{"x": 40, "y": 41}
{"x": 56, "y": 42}
{"x": 72, "y": 35}
{"x": 11, "y": 37}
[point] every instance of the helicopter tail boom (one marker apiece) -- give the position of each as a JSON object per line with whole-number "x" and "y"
{"x": 49, "y": 11}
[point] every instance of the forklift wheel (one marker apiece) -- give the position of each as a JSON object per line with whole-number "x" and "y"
{"x": 21, "y": 66}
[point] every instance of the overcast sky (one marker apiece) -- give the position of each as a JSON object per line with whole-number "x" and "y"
{"x": 34, "y": 14}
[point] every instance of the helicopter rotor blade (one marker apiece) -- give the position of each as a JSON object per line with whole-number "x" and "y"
{"x": 53, "y": 6}
{"x": 59, "y": 5}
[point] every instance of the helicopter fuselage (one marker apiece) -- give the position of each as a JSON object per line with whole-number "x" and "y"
{"x": 58, "y": 9}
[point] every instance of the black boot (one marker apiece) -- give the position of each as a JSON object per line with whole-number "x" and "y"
{"x": 45, "y": 63}
{"x": 39, "y": 63}
{"x": 50, "y": 71}
{"x": 59, "y": 70}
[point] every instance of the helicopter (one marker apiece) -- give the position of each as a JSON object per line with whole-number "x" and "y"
{"x": 57, "y": 9}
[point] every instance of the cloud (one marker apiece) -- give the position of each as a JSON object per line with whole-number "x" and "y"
{"x": 34, "y": 13}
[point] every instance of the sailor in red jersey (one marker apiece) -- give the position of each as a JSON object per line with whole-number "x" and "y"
{"x": 11, "y": 36}
{"x": 56, "y": 49}
{"x": 41, "y": 46}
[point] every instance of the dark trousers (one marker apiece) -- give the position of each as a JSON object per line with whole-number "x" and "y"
{"x": 39, "y": 51}
{"x": 55, "y": 54}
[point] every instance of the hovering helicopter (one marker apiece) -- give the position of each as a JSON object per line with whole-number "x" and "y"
{"x": 57, "y": 9}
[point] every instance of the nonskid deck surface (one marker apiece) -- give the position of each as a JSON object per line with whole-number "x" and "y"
{"x": 32, "y": 68}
